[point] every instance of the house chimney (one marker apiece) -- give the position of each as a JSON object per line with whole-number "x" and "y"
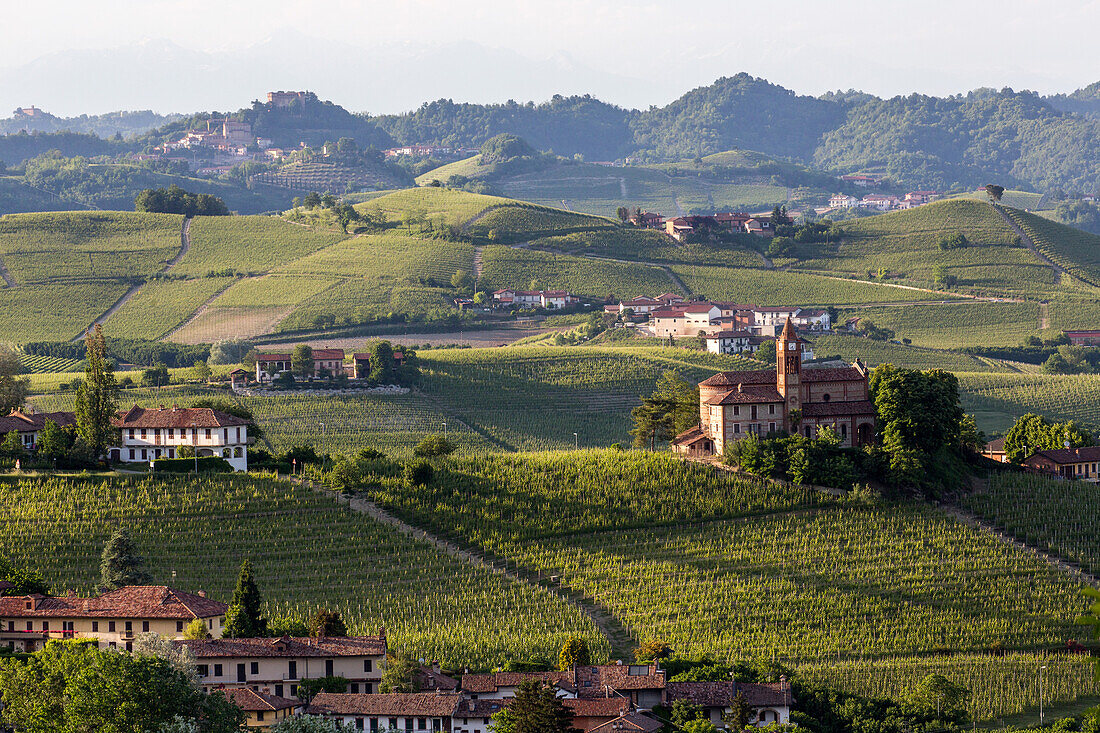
{"x": 202, "y": 594}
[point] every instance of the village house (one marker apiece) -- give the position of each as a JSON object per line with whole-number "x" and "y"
{"x": 113, "y": 619}
{"x": 843, "y": 201}
{"x": 29, "y": 423}
{"x": 361, "y": 363}
{"x": 277, "y": 666}
{"x": 647, "y": 220}
{"x": 548, "y": 299}
{"x": 861, "y": 180}
{"x": 1067, "y": 463}
{"x": 644, "y": 304}
{"x": 591, "y": 713}
{"x": 878, "y": 201}
{"x": 995, "y": 450}
{"x": 326, "y": 363}
{"x": 419, "y": 711}
{"x": 730, "y": 342}
{"x": 262, "y": 710}
{"x": 149, "y": 434}
{"x": 734, "y": 405}
{"x": 476, "y": 715}
{"x": 1083, "y": 338}
{"x": 770, "y": 702}
{"x": 684, "y": 319}
{"x": 922, "y": 197}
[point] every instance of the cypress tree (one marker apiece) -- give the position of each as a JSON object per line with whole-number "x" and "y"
{"x": 243, "y": 618}
{"x": 120, "y": 565}
{"x": 97, "y": 396}
{"x": 536, "y": 709}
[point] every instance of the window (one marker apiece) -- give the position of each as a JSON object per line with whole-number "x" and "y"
{"x": 737, "y": 427}
{"x": 132, "y": 454}
{"x": 129, "y": 646}
{"x": 217, "y": 670}
{"x": 844, "y": 430}
{"x": 144, "y": 625}
{"x": 129, "y": 626}
{"x": 45, "y": 625}
{"x": 369, "y": 688}
{"x": 111, "y": 626}
{"x": 144, "y": 454}
{"x": 807, "y": 431}
{"x": 328, "y": 668}
{"x": 359, "y": 723}
{"x": 771, "y": 409}
{"x": 259, "y": 715}
{"x": 143, "y": 433}
{"x": 771, "y": 427}
{"x": 278, "y": 690}
{"x": 294, "y": 690}
{"x": 638, "y": 670}
{"x": 130, "y": 433}
{"x": 354, "y": 688}
{"x": 95, "y": 626}
{"x": 204, "y": 670}
{"x": 67, "y": 626}
{"x": 368, "y": 665}
{"x": 736, "y": 410}
{"x": 421, "y": 723}
{"x": 207, "y": 432}
{"x": 171, "y": 432}
{"x": 292, "y": 673}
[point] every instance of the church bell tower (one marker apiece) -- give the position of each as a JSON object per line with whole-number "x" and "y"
{"x": 788, "y": 369}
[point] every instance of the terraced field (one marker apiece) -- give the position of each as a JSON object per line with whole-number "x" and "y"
{"x": 248, "y": 244}
{"x": 54, "y": 312}
{"x": 161, "y": 305}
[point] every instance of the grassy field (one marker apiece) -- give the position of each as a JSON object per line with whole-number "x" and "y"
{"x": 521, "y": 223}
{"x": 1073, "y": 249}
{"x": 506, "y": 267}
{"x": 851, "y": 347}
{"x": 1026, "y": 200}
{"x": 1001, "y": 398}
{"x": 468, "y": 167}
{"x": 454, "y": 207}
{"x": 973, "y": 323}
{"x": 51, "y": 247}
{"x": 307, "y": 551}
{"x": 248, "y": 244}
{"x": 649, "y": 245}
{"x": 54, "y": 311}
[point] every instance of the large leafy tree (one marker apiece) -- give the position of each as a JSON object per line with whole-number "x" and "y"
{"x": 399, "y": 675}
{"x": 244, "y": 618}
{"x": 669, "y": 410}
{"x": 536, "y": 709}
{"x": 327, "y": 623}
{"x": 574, "y": 653}
{"x": 24, "y": 582}
{"x": 97, "y": 395}
{"x": 120, "y": 565}
{"x": 301, "y": 360}
{"x": 1031, "y": 433}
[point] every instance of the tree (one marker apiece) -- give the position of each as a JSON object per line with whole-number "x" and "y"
{"x": 623, "y": 213}
{"x": 24, "y": 582}
{"x": 181, "y": 658}
{"x": 574, "y": 653}
{"x": 1031, "y": 433}
{"x": 936, "y": 691}
{"x": 433, "y": 446}
{"x": 923, "y": 407}
{"x": 740, "y": 715}
{"x": 327, "y": 623}
{"x": 97, "y": 395}
{"x": 12, "y": 445}
{"x": 669, "y": 410}
{"x": 652, "y": 650}
{"x": 156, "y": 375}
{"x": 418, "y": 473}
{"x": 13, "y": 390}
{"x": 399, "y": 675}
{"x": 381, "y": 363}
{"x": 994, "y": 192}
{"x": 309, "y": 688}
{"x": 244, "y": 618}
{"x": 684, "y": 711}
{"x": 231, "y": 351}
{"x": 537, "y": 709}
{"x": 120, "y": 564}
{"x": 310, "y": 724}
{"x": 766, "y": 352}
{"x": 53, "y": 441}
{"x": 196, "y": 630}
{"x": 287, "y": 626}
{"x": 201, "y": 371}
{"x": 345, "y": 475}
{"x": 301, "y": 360}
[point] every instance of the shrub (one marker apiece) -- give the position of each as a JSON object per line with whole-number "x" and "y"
{"x": 418, "y": 472}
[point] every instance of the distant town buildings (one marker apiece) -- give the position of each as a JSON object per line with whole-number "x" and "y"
{"x": 548, "y": 299}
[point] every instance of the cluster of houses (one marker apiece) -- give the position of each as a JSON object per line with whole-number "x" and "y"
{"x": 428, "y": 151}
{"x": 880, "y": 202}
{"x": 146, "y": 434}
{"x": 327, "y": 364}
{"x": 792, "y": 397}
{"x": 263, "y": 675}
{"x": 546, "y": 299}
{"x": 728, "y": 328}
{"x": 681, "y": 227}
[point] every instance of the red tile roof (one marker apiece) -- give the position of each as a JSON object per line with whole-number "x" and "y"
{"x": 410, "y": 704}
{"x": 729, "y": 335}
{"x": 837, "y": 409}
{"x": 732, "y": 379}
{"x": 598, "y": 707}
{"x": 328, "y": 354}
{"x": 135, "y": 601}
{"x": 832, "y": 374}
{"x": 273, "y": 357}
{"x": 26, "y": 423}
{"x": 481, "y": 708}
{"x": 1069, "y": 455}
{"x": 630, "y": 722}
{"x": 482, "y": 683}
{"x": 997, "y": 445}
{"x": 176, "y": 417}
{"x": 746, "y": 396}
{"x": 251, "y": 701}
{"x": 287, "y": 646}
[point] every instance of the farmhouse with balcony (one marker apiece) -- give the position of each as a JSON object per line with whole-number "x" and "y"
{"x": 326, "y": 363}
{"x": 843, "y": 201}
{"x": 262, "y": 710}
{"x": 148, "y": 434}
{"x": 735, "y": 405}
{"x": 29, "y": 423}
{"x": 732, "y": 342}
{"x": 684, "y": 319}
{"x": 277, "y": 666}
{"x": 113, "y": 619}
{"x": 548, "y": 299}
{"x": 1074, "y": 463}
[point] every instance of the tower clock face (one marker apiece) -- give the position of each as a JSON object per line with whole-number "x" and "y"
{"x": 790, "y": 346}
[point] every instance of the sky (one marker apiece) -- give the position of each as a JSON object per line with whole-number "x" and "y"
{"x": 71, "y": 56}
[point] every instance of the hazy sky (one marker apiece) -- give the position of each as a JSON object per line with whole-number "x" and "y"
{"x": 885, "y": 47}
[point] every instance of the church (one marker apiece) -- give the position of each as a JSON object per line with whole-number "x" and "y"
{"x": 795, "y": 398}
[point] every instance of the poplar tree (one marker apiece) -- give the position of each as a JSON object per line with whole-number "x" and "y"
{"x": 97, "y": 396}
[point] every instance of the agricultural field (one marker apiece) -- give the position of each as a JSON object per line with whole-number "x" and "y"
{"x": 776, "y": 287}
{"x": 57, "y": 246}
{"x": 307, "y": 551}
{"x": 468, "y": 167}
{"x": 948, "y": 326}
{"x": 1077, "y": 251}
{"x": 454, "y": 207}
{"x": 998, "y": 399}
{"x": 799, "y": 585}
{"x": 248, "y": 244}
{"x": 515, "y": 222}
{"x": 1060, "y": 517}
{"x": 161, "y": 305}
{"x": 34, "y": 364}
{"x": 1026, "y": 200}
{"x": 55, "y": 311}
{"x": 851, "y": 347}
{"x": 504, "y": 267}
{"x": 390, "y": 256}
{"x": 1000, "y": 684}
{"x": 648, "y": 245}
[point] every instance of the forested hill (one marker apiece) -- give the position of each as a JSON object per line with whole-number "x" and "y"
{"x": 1018, "y": 138}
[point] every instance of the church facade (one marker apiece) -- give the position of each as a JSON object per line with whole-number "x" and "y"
{"x": 736, "y": 405}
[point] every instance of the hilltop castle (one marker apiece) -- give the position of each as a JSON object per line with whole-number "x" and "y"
{"x": 735, "y": 405}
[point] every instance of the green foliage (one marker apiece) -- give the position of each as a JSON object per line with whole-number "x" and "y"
{"x": 174, "y": 200}
{"x": 310, "y": 724}
{"x": 309, "y": 688}
{"x": 434, "y": 446}
{"x": 957, "y": 240}
{"x": 536, "y": 709}
{"x": 196, "y": 630}
{"x": 24, "y": 582}
{"x": 301, "y": 360}
{"x": 244, "y": 617}
{"x": 281, "y": 626}
{"x": 400, "y": 674}
{"x": 672, "y": 408}
{"x": 503, "y": 148}
{"x": 120, "y": 564}
{"x": 574, "y": 653}
{"x": 1033, "y": 433}
{"x": 651, "y": 650}
{"x": 418, "y": 473}
{"x": 13, "y": 389}
{"x": 97, "y": 395}
{"x": 327, "y": 623}
{"x": 936, "y": 692}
